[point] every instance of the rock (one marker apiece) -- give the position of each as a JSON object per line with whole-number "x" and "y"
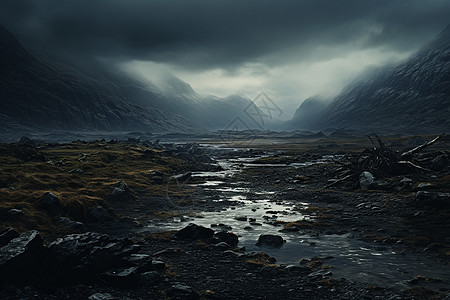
{"x": 100, "y": 214}
{"x": 365, "y": 180}
{"x": 227, "y": 237}
{"x": 304, "y": 270}
{"x": 432, "y": 199}
{"x": 127, "y": 277}
{"x": 244, "y": 219}
{"x": 121, "y": 192}
{"x": 6, "y": 235}
{"x": 77, "y": 171}
{"x": 222, "y": 245}
{"x": 15, "y": 212}
{"x": 49, "y": 199}
{"x": 255, "y": 224}
{"x": 194, "y": 232}
{"x": 73, "y": 225}
{"x": 151, "y": 278}
{"x": 103, "y": 296}
{"x": 270, "y": 240}
{"x": 424, "y": 185}
{"x": 143, "y": 262}
{"x": 232, "y": 253}
{"x": 158, "y": 265}
{"x": 21, "y": 258}
{"x": 181, "y": 291}
{"x": 83, "y": 257}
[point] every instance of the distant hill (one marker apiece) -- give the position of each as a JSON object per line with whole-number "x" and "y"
{"x": 308, "y": 113}
{"x": 413, "y": 97}
{"x": 37, "y": 95}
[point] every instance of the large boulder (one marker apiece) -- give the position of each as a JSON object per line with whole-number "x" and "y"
{"x": 83, "y": 257}
{"x": 21, "y": 259}
{"x": 194, "y": 232}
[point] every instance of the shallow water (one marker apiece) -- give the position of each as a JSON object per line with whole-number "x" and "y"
{"x": 352, "y": 259}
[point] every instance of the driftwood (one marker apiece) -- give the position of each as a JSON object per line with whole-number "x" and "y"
{"x": 381, "y": 161}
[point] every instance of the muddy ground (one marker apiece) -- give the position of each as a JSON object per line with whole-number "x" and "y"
{"x": 408, "y": 212}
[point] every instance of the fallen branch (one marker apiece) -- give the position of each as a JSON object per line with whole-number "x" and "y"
{"x": 418, "y": 148}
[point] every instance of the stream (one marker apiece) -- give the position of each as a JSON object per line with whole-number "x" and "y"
{"x": 252, "y": 212}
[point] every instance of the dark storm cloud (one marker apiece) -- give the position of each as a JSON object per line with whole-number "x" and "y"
{"x": 208, "y": 34}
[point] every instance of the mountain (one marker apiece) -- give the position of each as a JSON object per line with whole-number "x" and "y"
{"x": 308, "y": 113}
{"x": 178, "y": 97}
{"x": 413, "y": 97}
{"x": 43, "y": 96}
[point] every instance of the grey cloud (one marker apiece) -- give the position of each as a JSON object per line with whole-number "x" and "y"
{"x": 201, "y": 34}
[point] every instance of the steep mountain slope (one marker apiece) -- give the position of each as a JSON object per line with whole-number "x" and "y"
{"x": 413, "y": 97}
{"x": 38, "y": 95}
{"x": 307, "y": 114}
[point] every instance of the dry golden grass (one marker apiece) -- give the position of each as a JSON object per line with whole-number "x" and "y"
{"x": 26, "y": 173}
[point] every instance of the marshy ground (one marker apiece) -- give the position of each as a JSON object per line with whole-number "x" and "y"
{"x": 125, "y": 188}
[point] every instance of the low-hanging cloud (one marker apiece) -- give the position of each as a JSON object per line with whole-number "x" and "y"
{"x": 226, "y": 37}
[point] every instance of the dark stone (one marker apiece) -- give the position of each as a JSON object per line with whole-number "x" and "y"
{"x": 15, "y": 211}
{"x": 83, "y": 257}
{"x": 194, "y": 232}
{"x": 227, "y": 237}
{"x": 21, "y": 259}
{"x": 181, "y": 291}
{"x": 270, "y": 240}
{"x": 121, "y": 192}
{"x": 49, "y": 199}
{"x": 6, "y": 235}
{"x": 222, "y": 245}
{"x": 102, "y": 296}
{"x": 303, "y": 270}
{"x": 158, "y": 265}
{"x": 72, "y": 225}
{"x": 101, "y": 214}
{"x": 122, "y": 277}
{"x": 151, "y": 278}
{"x": 143, "y": 262}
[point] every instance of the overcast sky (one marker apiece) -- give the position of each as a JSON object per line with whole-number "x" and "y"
{"x": 290, "y": 49}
